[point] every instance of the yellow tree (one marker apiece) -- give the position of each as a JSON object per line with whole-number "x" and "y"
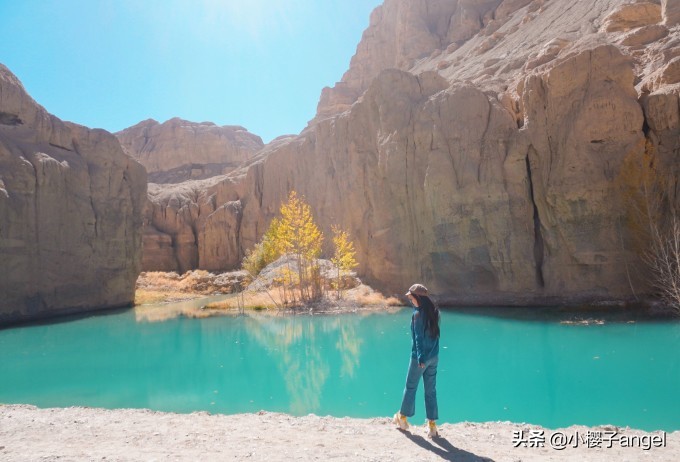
{"x": 344, "y": 257}
{"x": 265, "y": 251}
{"x": 299, "y": 235}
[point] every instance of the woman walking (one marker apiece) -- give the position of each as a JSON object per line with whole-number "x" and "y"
{"x": 424, "y": 360}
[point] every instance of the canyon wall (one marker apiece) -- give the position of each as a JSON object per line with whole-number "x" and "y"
{"x": 179, "y": 150}
{"x": 70, "y": 213}
{"x": 487, "y": 149}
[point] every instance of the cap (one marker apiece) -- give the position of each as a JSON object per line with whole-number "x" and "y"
{"x": 417, "y": 289}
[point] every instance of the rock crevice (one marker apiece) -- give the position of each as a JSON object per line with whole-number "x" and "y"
{"x": 538, "y": 234}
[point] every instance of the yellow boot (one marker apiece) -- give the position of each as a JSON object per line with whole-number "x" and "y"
{"x": 432, "y": 429}
{"x": 400, "y": 421}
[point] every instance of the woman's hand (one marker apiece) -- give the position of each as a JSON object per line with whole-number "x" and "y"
{"x": 421, "y": 365}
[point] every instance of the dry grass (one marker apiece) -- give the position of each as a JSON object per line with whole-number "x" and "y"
{"x": 146, "y": 296}
{"x": 161, "y": 279}
{"x": 162, "y": 287}
{"x": 365, "y": 296}
{"x": 191, "y": 281}
{"x": 250, "y": 300}
{"x": 164, "y": 313}
{"x": 361, "y": 296}
{"x": 156, "y": 287}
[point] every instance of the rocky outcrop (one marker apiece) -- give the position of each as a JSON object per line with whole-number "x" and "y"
{"x": 189, "y": 226}
{"x": 670, "y": 10}
{"x": 399, "y": 33}
{"x": 633, "y": 15}
{"x": 179, "y": 150}
{"x": 178, "y": 154}
{"x": 492, "y": 160}
{"x": 193, "y": 282}
{"x": 70, "y": 213}
{"x": 644, "y": 35}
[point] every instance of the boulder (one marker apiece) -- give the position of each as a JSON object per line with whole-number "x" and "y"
{"x": 644, "y": 35}
{"x": 631, "y": 15}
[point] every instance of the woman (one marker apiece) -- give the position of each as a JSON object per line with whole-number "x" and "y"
{"x": 424, "y": 359}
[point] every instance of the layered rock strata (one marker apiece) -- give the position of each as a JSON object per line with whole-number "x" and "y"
{"x": 178, "y": 150}
{"x": 488, "y": 149}
{"x": 70, "y": 213}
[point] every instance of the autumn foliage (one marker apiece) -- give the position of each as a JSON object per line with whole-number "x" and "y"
{"x": 296, "y": 235}
{"x": 344, "y": 258}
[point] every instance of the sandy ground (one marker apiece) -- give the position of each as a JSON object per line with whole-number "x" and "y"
{"x": 31, "y": 434}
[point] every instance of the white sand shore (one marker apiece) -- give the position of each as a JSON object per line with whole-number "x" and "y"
{"x": 31, "y": 434}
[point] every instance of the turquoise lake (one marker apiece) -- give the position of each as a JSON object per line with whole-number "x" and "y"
{"x": 521, "y": 365}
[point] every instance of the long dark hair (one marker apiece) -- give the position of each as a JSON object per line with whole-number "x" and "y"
{"x": 431, "y": 312}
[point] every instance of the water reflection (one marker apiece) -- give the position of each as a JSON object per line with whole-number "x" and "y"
{"x": 549, "y": 373}
{"x": 298, "y": 348}
{"x": 298, "y": 344}
{"x": 193, "y": 308}
{"x": 348, "y": 344}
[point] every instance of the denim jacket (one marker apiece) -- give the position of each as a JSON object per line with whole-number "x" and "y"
{"x": 423, "y": 346}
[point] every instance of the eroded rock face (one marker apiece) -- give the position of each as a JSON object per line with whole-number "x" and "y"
{"x": 582, "y": 122}
{"x": 494, "y": 163}
{"x": 70, "y": 213}
{"x": 437, "y": 183}
{"x": 179, "y": 150}
{"x": 190, "y": 225}
{"x": 632, "y": 15}
{"x": 671, "y": 12}
{"x": 178, "y": 154}
{"x": 645, "y": 35}
{"x": 400, "y": 33}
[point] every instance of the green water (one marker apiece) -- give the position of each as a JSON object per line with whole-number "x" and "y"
{"x": 516, "y": 365}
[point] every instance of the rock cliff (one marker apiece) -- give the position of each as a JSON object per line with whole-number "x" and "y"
{"x": 485, "y": 148}
{"x": 70, "y": 213}
{"x": 179, "y": 150}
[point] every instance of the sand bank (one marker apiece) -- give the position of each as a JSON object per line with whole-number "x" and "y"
{"x": 30, "y": 434}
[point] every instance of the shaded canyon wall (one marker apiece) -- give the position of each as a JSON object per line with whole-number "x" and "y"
{"x": 70, "y": 213}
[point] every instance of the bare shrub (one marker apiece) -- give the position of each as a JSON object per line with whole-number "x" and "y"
{"x": 660, "y": 209}
{"x": 663, "y": 259}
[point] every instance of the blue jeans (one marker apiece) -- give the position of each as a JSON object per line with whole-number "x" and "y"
{"x": 429, "y": 374}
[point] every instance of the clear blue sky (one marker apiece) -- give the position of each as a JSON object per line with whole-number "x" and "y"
{"x": 112, "y": 63}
